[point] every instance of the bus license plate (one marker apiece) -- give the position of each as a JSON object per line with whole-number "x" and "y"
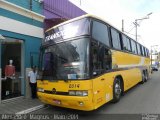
{"x": 57, "y": 102}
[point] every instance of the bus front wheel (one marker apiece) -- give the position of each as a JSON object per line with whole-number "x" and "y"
{"x": 117, "y": 90}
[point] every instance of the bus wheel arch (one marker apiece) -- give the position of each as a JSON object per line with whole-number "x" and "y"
{"x": 118, "y": 88}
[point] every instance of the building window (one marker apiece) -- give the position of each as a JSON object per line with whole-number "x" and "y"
{"x": 115, "y": 39}
{"x": 100, "y": 33}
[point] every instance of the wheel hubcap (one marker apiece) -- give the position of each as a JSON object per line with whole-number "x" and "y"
{"x": 117, "y": 89}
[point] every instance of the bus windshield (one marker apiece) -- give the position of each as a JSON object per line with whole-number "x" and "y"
{"x": 66, "y": 60}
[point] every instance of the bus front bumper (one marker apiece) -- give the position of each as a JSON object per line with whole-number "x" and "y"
{"x": 73, "y": 102}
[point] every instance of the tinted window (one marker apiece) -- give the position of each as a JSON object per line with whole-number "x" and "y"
{"x": 142, "y": 50}
{"x": 134, "y": 49}
{"x": 126, "y": 43}
{"x": 100, "y": 32}
{"x": 139, "y": 49}
{"x": 147, "y": 51}
{"x": 115, "y": 39}
{"x": 101, "y": 58}
{"x": 67, "y": 60}
{"x": 69, "y": 30}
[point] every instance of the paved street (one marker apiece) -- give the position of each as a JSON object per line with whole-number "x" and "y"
{"x": 142, "y": 99}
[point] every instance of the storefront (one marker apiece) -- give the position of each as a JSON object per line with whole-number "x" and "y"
{"x": 21, "y": 33}
{"x": 12, "y": 67}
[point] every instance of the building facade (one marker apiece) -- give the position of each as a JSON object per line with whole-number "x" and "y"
{"x": 22, "y": 24}
{"x": 21, "y": 33}
{"x": 57, "y": 11}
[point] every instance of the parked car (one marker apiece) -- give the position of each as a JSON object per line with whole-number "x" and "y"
{"x": 154, "y": 68}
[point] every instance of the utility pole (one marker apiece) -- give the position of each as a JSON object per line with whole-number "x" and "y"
{"x": 122, "y": 25}
{"x": 136, "y": 23}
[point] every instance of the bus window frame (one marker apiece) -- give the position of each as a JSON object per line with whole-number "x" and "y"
{"x": 145, "y": 51}
{"x": 135, "y": 47}
{"x": 98, "y": 42}
{"x": 127, "y": 50}
{"x": 120, "y": 40}
{"x": 138, "y": 50}
{"x": 120, "y": 36}
{"x": 93, "y": 19}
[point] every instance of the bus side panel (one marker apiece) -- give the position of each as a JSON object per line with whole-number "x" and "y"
{"x": 102, "y": 89}
{"x": 125, "y": 60}
{"x": 103, "y": 85}
{"x": 131, "y": 77}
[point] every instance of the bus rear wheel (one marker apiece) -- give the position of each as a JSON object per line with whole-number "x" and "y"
{"x": 144, "y": 77}
{"x": 117, "y": 90}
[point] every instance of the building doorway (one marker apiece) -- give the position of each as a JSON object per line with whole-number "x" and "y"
{"x": 12, "y": 67}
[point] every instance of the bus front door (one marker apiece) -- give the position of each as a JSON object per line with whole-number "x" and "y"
{"x": 101, "y": 63}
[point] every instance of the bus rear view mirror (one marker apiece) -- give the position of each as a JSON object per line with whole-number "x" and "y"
{"x": 95, "y": 74}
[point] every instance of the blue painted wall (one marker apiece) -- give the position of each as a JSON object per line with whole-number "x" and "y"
{"x": 29, "y": 41}
{"x": 20, "y": 18}
{"x": 36, "y": 6}
{"x": 31, "y": 44}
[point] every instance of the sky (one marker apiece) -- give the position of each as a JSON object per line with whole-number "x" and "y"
{"x": 114, "y": 11}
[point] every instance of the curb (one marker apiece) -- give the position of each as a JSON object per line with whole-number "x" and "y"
{"x": 31, "y": 109}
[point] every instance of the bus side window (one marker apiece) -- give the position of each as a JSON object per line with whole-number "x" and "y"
{"x": 101, "y": 59}
{"x": 107, "y": 59}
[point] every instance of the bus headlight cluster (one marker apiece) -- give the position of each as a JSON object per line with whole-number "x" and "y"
{"x": 78, "y": 92}
{"x": 40, "y": 89}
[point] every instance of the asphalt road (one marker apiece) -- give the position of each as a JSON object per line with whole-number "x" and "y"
{"x": 142, "y": 102}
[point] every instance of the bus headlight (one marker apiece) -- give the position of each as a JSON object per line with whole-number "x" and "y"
{"x": 78, "y": 92}
{"x": 40, "y": 89}
{"x": 71, "y": 92}
{"x": 85, "y": 93}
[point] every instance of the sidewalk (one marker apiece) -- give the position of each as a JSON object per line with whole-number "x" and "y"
{"x": 20, "y": 106}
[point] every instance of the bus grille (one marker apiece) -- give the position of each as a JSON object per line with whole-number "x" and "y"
{"x": 56, "y": 93}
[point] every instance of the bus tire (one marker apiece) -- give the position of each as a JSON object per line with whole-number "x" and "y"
{"x": 117, "y": 90}
{"x": 146, "y": 76}
{"x": 143, "y": 77}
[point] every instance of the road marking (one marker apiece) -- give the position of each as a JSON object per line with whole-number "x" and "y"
{"x": 31, "y": 109}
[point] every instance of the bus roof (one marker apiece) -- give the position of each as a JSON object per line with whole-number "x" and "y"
{"x": 80, "y": 17}
{"x": 91, "y": 16}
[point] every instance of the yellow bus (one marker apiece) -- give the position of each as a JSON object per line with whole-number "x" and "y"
{"x": 86, "y": 62}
